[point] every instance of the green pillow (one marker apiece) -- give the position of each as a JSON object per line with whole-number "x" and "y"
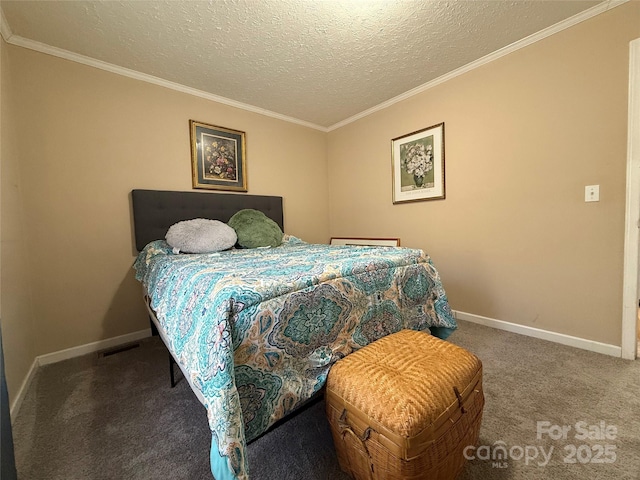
{"x": 255, "y": 229}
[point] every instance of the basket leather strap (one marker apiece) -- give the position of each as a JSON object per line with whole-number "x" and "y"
{"x": 345, "y": 429}
{"x": 460, "y": 403}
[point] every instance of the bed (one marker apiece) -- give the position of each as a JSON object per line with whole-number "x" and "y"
{"x": 255, "y": 331}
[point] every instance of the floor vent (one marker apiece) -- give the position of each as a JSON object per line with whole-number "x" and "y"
{"x": 120, "y": 349}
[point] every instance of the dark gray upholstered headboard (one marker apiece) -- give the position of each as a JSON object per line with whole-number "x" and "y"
{"x": 154, "y": 211}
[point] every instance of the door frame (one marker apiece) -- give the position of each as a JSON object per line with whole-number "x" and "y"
{"x": 630, "y": 296}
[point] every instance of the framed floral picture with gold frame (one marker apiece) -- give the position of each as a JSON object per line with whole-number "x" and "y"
{"x": 418, "y": 165}
{"x": 218, "y": 157}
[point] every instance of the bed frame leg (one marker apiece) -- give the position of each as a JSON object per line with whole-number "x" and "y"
{"x": 171, "y": 364}
{"x": 154, "y": 330}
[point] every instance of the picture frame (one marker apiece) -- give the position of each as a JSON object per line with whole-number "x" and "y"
{"x": 218, "y": 157}
{"x": 417, "y": 161}
{"x": 380, "y": 242}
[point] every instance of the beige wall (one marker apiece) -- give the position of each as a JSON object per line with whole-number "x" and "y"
{"x": 514, "y": 239}
{"x": 87, "y": 138}
{"x": 18, "y": 333}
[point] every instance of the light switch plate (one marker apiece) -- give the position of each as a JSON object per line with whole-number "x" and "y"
{"x": 592, "y": 193}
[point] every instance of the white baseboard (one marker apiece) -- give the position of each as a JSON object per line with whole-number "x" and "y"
{"x": 17, "y": 401}
{"x": 71, "y": 353}
{"x": 605, "y": 348}
{"x": 92, "y": 347}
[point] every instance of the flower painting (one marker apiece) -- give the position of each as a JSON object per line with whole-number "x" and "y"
{"x": 220, "y": 160}
{"x": 418, "y": 165}
{"x": 416, "y": 160}
{"x": 217, "y": 157}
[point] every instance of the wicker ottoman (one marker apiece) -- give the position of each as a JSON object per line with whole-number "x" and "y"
{"x": 405, "y": 407}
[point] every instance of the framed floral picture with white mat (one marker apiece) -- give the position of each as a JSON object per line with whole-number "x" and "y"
{"x": 418, "y": 165}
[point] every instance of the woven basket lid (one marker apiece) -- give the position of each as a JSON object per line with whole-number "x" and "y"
{"x": 404, "y": 381}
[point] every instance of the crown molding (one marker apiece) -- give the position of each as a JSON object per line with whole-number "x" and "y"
{"x": 5, "y": 29}
{"x": 7, "y": 34}
{"x": 536, "y": 37}
{"x": 126, "y": 72}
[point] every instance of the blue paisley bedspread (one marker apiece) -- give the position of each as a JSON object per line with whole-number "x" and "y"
{"x": 257, "y": 330}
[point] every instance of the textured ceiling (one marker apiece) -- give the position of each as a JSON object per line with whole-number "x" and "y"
{"x": 317, "y": 61}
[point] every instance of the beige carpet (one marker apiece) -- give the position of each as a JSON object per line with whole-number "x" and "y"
{"x": 117, "y": 418}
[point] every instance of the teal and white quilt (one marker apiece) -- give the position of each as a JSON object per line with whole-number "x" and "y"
{"x": 257, "y": 330}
